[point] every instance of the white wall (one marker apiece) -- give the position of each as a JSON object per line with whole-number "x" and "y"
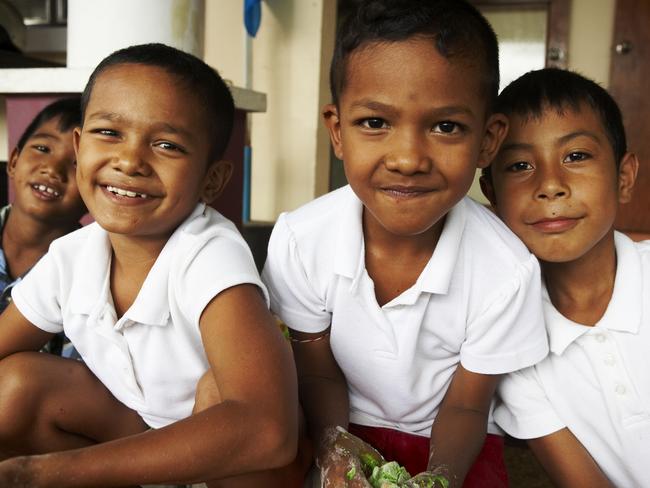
{"x": 224, "y": 39}
{"x": 290, "y": 58}
{"x": 590, "y": 40}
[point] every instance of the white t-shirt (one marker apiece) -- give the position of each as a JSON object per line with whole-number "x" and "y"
{"x": 152, "y": 357}
{"x": 596, "y": 381}
{"x": 477, "y": 302}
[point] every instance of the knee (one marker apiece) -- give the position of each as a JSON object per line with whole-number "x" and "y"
{"x": 19, "y": 393}
{"x": 207, "y": 392}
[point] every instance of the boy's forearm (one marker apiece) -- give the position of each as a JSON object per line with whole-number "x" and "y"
{"x": 457, "y": 437}
{"x": 325, "y": 403}
{"x": 567, "y": 462}
{"x": 212, "y": 444}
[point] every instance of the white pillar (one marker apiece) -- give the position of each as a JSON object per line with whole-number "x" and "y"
{"x": 96, "y": 28}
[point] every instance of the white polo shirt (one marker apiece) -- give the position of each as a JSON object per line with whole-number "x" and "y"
{"x": 596, "y": 381}
{"x": 477, "y": 302}
{"x": 152, "y": 357}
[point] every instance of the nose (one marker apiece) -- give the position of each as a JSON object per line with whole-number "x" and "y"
{"x": 408, "y": 154}
{"x": 56, "y": 167}
{"x": 131, "y": 159}
{"x": 552, "y": 185}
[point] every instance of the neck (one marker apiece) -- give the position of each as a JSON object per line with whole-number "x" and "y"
{"x": 131, "y": 253}
{"x": 26, "y": 233}
{"x": 582, "y": 289}
{"x": 379, "y": 241}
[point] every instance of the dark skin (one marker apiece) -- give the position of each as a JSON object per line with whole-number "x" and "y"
{"x": 410, "y": 154}
{"x": 142, "y": 134}
{"x": 37, "y": 219}
{"x": 563, "y": 165}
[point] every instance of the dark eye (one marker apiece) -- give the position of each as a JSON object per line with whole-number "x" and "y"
{"x": 105, "y": 132}
{"x": 41, "y": 148}
{"x": 374, "y": 123}
{"x": 170, "y": 146}
{"x": 519, "y": 166}
{"x": 446, "y": 127}
{"x": 575, "y": 156}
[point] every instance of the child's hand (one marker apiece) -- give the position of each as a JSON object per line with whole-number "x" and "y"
{"x": 17, "y": 473}
{"x": 429, "y": 479}
{"x": 342, "y": 470}
{"x": 345, "y": 460}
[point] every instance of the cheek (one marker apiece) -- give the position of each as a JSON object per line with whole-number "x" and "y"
{"x": 510, "y": 205}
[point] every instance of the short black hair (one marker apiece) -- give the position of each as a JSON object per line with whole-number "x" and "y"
{"x": 455, "y": 27}
{"x": 67, "y": 110}
{"x": 529, "y": 95}
{"x": 201, "y": 79}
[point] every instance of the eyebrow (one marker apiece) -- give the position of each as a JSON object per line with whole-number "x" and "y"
{"x": 579, "y": 133}
{"x": 514, "y": 146}
{"x": 157, "y": 126}
{"x": 44, "y": 135}
{"x": 374, "y": 105}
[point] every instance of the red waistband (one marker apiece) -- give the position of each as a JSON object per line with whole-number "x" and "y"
{"x": 412, "y": 452}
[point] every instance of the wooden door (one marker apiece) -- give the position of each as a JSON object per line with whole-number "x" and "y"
{"x": 629, "y": 77}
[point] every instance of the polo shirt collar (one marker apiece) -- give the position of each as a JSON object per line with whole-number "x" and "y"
{"x": 350, "y": 251}
{"x": 623, "y": 313}
{"x": 436, "y": 275}
{"x": 89, "y": 293}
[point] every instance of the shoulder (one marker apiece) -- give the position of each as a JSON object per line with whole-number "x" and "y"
{"x": 71, "y": 244}
{"x": 206, "y": 231}
{"x": 317, "y": 216}
{"x": 312, "y": 231}
{"x": 488, "y": 234}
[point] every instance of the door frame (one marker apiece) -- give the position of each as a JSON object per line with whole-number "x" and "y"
{"x": 557, "y": 27}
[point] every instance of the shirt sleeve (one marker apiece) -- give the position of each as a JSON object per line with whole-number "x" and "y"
{"x": 221, "y": 262}
{"x": 292, "y": 294}
{"x": 37, "y": 295}
{"x": 507, "y": 333}
{"x": 523, "y": 410}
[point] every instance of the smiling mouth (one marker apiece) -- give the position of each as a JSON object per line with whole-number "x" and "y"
{"x": 46, "y": 190}
{"x": 125, "y": 193}
{"x": 405, "y": 191}
{"x": 555, "y": 224}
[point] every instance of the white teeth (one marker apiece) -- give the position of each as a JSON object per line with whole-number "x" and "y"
{"x": 125, "y": 193}
{"x": 46, "y": 189}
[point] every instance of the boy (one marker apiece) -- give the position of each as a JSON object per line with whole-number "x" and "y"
{"x": 159, "y": 293}
{"x": 557, "y": 182}
{"x": 47, "y": 204}
{"x": 406, "y": 300}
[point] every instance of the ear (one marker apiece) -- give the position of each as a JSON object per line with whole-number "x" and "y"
{"x": 496, "y": 129}
{"x": 13, "y": 160}
{"x": 333, "y": 124}
{"x": 76, "y": 137}
{"x": 627, "y": 171}
{"x": 488, "y": 189}
{"x": 216, "y": 179}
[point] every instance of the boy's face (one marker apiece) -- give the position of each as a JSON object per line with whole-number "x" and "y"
{"x": 43, "y": 174}
{"x": 555, "y": 182}
{"x": 143, "y": 151}
{"x": 411, "y": 130}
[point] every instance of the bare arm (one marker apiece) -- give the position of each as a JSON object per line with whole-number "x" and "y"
{"x": 458, "y": 432}
{"x": 322, "y": 386}
{"x": 566, "y": 460}
{"x": 19, "y": 334}
{"x": 254, "y": 428}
